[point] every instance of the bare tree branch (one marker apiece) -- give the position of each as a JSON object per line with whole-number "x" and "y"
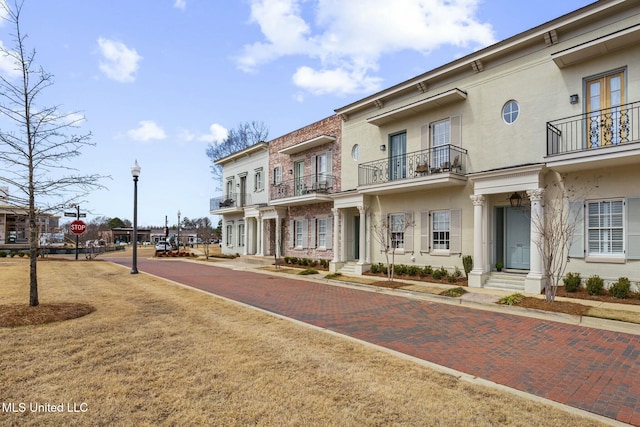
{"x": 36, "y": 149}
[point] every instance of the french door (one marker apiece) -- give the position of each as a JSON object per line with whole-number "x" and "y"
{"x": 606, "y": 118}
{"x": 298, "y": 173}
{"x": 398, "y": 156}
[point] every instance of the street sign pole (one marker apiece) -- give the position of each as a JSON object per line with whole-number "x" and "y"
{"x": 77, "y": 235}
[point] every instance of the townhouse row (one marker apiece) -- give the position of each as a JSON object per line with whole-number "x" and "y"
{"x": 466, "y": 159}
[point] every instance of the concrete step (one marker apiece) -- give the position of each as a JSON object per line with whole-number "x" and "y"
{"x": 512, "y": 282}
{"x": 349, "y": 268}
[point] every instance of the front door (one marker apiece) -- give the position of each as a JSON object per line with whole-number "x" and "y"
{"x": 517, "y": 244}
{"x": 607, "y": 121}
{"x": 356, "y": 237}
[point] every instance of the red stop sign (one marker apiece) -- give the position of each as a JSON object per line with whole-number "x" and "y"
{"x": 78, "y": 227}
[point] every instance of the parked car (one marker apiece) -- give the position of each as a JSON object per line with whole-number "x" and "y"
{"x": 163, "y": 247}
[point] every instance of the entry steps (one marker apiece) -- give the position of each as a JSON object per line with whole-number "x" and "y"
{"x": 506, "y": 281}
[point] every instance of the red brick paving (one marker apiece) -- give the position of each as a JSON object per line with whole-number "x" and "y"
{"x": 594, "y": 370}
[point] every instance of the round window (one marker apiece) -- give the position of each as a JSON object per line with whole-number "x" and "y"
{"x": 510, "y": 111}
{"x": 355, "y": 152}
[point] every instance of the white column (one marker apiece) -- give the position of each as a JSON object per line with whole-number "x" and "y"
{"x": 369, "y": 241}
{"x": 336, "y": 236}
{"x": 259, "y": 236}
{"x": 475, "y": 277}
{"x": 362, "y": 234}
{"x": 533, "y": 282}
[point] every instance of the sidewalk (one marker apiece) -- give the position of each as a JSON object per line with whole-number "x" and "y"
{"x": 543, "y": 355}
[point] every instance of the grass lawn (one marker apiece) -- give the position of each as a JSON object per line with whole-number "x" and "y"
{"x": 154, "y": 353}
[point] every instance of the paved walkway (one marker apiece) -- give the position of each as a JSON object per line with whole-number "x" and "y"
{"x": 586, "y": 368}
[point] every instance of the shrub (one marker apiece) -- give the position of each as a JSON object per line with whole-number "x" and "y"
{"x": 512, "y": 299}
{"x": 457, "y": 273}
{"x": 451, "y": 278}
{"x": 333, "y": 276}
{"x": 3, "y": 254}
{"x": 12, "y": 254}
{"x": 413, "y": 270}
{"x": 454, "y": 292}
{"x": 467, "y": 264}
{"x": 308, "y": 271}
{"x": 427, "y": 271}
{"x": 594, "y": 285}
{"x": 440, "y": 273}
{"x": 383, "y": 269}
{"x": 287, "y": 260}
{"x": 621, "y": 288}
{"x": 572, "y": 282}
{"x": 400, "y": 269}
{"x": 21, "y": 254}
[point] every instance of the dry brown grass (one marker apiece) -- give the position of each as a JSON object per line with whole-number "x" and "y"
{"x": 154, "y": 353}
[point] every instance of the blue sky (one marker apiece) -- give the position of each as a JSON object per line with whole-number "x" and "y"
{"x": 158, "y": 80}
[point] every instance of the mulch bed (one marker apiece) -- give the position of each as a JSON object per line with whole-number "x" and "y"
{"x": 13, "y": 315}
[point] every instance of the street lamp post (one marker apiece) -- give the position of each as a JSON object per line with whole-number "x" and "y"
{"x": 178, "y": 230}
{"x": 135, "y": 172}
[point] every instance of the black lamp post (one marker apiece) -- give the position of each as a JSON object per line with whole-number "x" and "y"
{"x": 178, "y": 231}
{"x": 135, "y": 172}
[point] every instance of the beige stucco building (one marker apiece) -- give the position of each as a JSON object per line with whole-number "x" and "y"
{"x": 440, "y": 156}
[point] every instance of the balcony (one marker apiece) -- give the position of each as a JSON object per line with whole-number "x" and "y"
{"x": 303, "y": 190}
{"x": 602, "y": 138}
{"x": 233, "y": 202}
{"x": 435, "y": 167}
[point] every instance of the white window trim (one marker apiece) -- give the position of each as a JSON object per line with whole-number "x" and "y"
{"x": 439, "y": 251}
{"x": 616, "y": 258}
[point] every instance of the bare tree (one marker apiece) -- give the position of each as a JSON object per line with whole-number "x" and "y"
{"x": 37, "y": 146}
{"x": 555, "y": 225}
{"x": 243, "y": 136}
{"x": 388, "y": 235}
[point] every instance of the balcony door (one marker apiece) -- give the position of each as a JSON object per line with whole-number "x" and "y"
{"x": 440, "y": 140}
{"x": 298, "y": 177}
{"x": 606, "y": 122}
{"x": 398, "y": 156}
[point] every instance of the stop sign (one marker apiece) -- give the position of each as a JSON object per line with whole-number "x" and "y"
{"x": 78, "y": 227}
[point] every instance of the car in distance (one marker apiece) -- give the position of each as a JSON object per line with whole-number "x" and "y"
{"x": 163, "y": 247}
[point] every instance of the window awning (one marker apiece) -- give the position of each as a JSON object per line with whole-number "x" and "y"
{"x": 599, "y": 46}
{"x": 308, "y": 144}
{"x": 439, "y": 100}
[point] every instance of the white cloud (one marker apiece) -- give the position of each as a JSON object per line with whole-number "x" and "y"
{"x": 180, "y": 4}
{"x": 147, "y": 131}
{"x": 119, "y": 63}
{"x": 8, "y": 65}
{"x": 4, "y": 12}
{"x": 344, "y": 40}
{"x": 217, "y": 133}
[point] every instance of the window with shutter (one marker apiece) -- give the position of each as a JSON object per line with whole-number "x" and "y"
{"x": 633, "y": 228}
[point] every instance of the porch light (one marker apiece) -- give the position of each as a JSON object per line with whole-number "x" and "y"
{"x": 573, "y": 98}
{"x": 515, "y": 200}
{"x": 383, "y": 147}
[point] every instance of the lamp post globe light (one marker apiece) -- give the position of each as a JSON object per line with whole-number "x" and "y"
{"x": 135, "y": 172}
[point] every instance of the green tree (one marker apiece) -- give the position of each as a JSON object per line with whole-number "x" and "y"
{"x": 115, "y": 223}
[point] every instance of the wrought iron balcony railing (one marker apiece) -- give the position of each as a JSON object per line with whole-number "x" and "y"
{"x": 593, "y": 130}
{"x": 320, "y": 183}
{"x": 437, "y": 160}
{"x": 233, "y": 200}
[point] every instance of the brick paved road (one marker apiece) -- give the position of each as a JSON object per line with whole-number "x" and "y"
{"x": 590, "y": 369}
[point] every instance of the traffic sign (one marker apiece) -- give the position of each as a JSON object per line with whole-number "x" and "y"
{"x": 78, "y": 227}
{"x": 69, "y": 214}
